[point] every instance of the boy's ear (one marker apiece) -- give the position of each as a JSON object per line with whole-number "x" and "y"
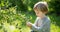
{"x": 45, "y": 12}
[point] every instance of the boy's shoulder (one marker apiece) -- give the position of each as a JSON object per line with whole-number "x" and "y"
{"x": 38, "y": 18}
{"x": 45, "y": 18}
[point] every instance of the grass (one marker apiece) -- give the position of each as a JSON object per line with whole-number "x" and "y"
{"x": 55, "y": 28}
{"x": 25, "y": 29}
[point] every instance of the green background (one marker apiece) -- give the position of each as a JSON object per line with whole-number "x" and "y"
{"x": 15, "y": 13}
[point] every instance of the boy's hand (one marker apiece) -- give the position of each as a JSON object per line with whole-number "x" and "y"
{"x": 29, "y": 24}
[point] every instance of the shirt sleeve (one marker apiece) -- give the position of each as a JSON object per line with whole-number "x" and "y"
{"x": 35, "y": 28}
{"x": 36, "y": 21}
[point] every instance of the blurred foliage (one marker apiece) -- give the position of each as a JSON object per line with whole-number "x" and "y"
{"x": 15, "y": 13}
{"x": 54, "y": 7}
{"x": 10, "y": 20}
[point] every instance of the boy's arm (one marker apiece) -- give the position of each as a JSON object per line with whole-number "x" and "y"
{"x": 35, "y": 28}
{"x": 36, "y": 21}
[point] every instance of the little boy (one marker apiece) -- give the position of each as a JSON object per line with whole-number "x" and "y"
{"x": 42, "y": 23}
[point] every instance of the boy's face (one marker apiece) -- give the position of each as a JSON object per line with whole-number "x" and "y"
{"x": 38, "y": 13}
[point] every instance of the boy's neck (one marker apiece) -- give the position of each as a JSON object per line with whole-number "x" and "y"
{"x": 42, "y": 16}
